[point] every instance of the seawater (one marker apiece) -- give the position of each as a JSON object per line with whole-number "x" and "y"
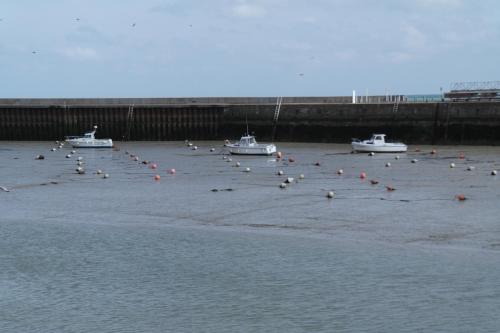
{"x": 216, "y": 249}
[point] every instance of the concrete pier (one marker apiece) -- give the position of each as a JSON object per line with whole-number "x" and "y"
{"x": 313, "y": 119}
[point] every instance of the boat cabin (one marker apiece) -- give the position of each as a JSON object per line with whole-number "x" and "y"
{"x": 248, "y": 141}
{"x": 377, "y": 139}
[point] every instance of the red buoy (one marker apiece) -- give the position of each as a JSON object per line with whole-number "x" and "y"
{"x": 153, "y": 166}
{"x": 157, "y": 177}
{"x": 362, "y": 175}
{"x": 460, "y": 197}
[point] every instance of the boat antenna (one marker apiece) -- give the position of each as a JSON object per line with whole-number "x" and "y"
{"x": 246, "y": 121}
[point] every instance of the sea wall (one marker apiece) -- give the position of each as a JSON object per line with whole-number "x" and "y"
{"x": 309, "y": 119}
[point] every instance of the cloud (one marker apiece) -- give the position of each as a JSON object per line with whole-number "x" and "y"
{"x": 80, "y": 53}
{"x": 249, "y": 11}
{"x": 445, "y": 3}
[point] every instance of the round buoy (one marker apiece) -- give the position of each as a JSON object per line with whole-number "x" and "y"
{"x": 157, "y": 177}
{"x": 452, "y": 165}
{"x": 433, "y": 152}
{"x": 301, "y": 176}
{"x": 106, "y": 175}
{"x": 471, "y": 168}
{"x": 136, "y": 158}
{"x": 461, "y": 156}
{"x": 68, "y": 156}
{"x": 145, "y": 162}
{"x": 414, "y": 160}
{"x": 362, "y": 175}
{"x": 80, "y": 163}
{"x": 340, "y": 172}
{"x": 397, "y": 157}
{"x": 212, "y": 150}
{"x": 282, "y": 185}
{"x": 374, "y": 182}
{"x": 195, "y": 147}
{"x": 153, "y": 166}
{"x": 171, "y": 171}
{"x": 317, "y": 164}
{"x": 390, "y": 188}
{"x": 224, "y": 157}
{"x": 60, "y": 147}
{"x": 73, "y": 152}
{"x": 280, "y": 172}
{"x": 289, "y": 180}
{"x": 291, "y": 159}
{"x": 460, "y": 197}
{"x": 237, "y": 164}
{"x": 79, "y": 158}
{"x": 371, "y": 154}
{"x": 226, "y": 142}
{"x": 387, "y": 165}
{"x": 57, "y": 142}
{"x": 279, "y": 154}
{"x": 247, "y": 169}
{"x": 330, "y": 195}
{"x": 229, "y": 159}
{"x": 39, "y": 157}
{"x": 53, "y": 149}
{"x": 99, "y": 171}
{"x": 80, "y": 170}
{"x": 190, "y": 144}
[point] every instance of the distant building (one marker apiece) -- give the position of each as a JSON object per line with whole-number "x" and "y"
{"x": 474, "y": 91}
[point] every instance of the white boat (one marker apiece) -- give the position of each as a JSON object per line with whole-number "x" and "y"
{"x": 377, "y": 144}
{"x": 88, "y": 140}
{"x": 249, "y": 146}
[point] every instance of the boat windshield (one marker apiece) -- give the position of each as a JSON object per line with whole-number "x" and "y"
{"x": 247, "y": 141}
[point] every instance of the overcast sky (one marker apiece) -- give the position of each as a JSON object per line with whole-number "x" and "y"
{"x": 169, "y": 48}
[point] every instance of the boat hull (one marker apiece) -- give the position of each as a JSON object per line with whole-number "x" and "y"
{"x": 263, "y": 150}
{"x": 91, "y": 143}
{"x": 385, "y": 148}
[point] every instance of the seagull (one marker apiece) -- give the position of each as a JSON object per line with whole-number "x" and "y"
{"x": 78, "y": 19}
{"x": 301, "y": 74}
{"x": 133, "y": 25}
{"x": 34, "y": 52}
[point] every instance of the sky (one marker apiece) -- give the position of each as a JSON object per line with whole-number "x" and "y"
{"x": 191, "y": 48}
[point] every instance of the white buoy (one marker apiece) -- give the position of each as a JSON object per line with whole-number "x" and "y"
{"x": 229, "y": 159}
{"x": 330, "y": 195}
{"x": 190, "y": 144}
{"x": 301, "y": 176}
{"x": 452, "y": 165}
{"x": 494, "y": 173}
{"x": 387, "y": 165}
{"x": 53, "y": 149}
{"x": 79, "y": 158}
{"x": 224, "y": 157}
{"x": 414, "y": 160}
{"x": 397, "y": 157}
{"x": 371, "y": 154}
{"x": 247, "y": 170}
{"x": 289, "y": 180}
{"x": 212, "y": 150}
{"x": 282, "y": 185}
{"x": 106, "y": 175}
{"x": 280, "y": 172}
{"x": 57, "y": 142}
{"x": 79, "y": 163}
{"x": 237, "y": 164}
{"x": 340, "y": 171}
{"x": 73, "y": 152}
{"x": 68, "y": 156}
{"x": 99, "y": 171}
{"x": 470, "y": 168}
{"x": 80, "y": 170}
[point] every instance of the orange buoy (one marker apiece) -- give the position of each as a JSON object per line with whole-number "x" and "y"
{"x": 279, "y": 155}
{"x": 153, "y": 166}
{"x": 157, "y": 177}
{"x": 460, "y": 197}
{"x": 362, "y": 175}
{"x": 171, "y": 171}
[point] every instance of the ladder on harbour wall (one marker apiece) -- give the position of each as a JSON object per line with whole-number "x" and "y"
{"x": 395, "y": 108}
{"x": 276, "y": 116}
{"x": 129, "y": 121}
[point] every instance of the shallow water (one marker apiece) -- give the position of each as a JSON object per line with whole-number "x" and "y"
{"x": 80, "y": 253}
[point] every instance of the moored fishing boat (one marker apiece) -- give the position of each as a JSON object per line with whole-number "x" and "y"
{"x": 88, "y": 140}
{"x": 249, "y": 146}
{"x": 377, "y": 144}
